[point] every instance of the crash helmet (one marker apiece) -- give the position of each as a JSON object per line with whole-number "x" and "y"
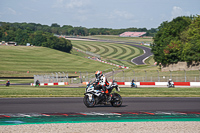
{"x": 98, "y": 73}
{"x": 170, "y": 79}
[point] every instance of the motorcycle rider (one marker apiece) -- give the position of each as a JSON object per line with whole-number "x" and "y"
{"x": 101, "y": 82}
{"x": 169, "y": 82}
{"x": 8, "y": 83}
{"x": 132, "y": 83}
{"x": 37, "y": 83}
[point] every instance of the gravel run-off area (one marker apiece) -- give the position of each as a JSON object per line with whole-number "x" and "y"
{"x": 104, "y": 127}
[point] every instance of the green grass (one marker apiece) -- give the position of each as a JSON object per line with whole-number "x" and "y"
{"x": 17, "y": 81}
{"x": 16, "y": 61}
{"x": 30, "y": 91}
{"x": 51, "y": 91}
{"x": 117, "y": 38}
{"x": 150, "y": 61}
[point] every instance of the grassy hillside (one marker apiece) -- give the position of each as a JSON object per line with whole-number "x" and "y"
{"x": 114, "y": 53}
{"x": 17, "y": 60}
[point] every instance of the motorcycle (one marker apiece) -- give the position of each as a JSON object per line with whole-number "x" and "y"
{"x": 7, "y": 84}
{"x": 95, "y": 97}
{"x": 133, "y": 85}
{"x": 171, "y": 85}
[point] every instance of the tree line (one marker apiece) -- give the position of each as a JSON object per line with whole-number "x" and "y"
{"x": 74, "y": 31}
{"x": 35, "y": 35}
{"x": 177, "y": 40}
{"x": 43, "y": 35}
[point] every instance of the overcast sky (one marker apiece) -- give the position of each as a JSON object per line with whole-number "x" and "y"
{"x": 114, "y": 14}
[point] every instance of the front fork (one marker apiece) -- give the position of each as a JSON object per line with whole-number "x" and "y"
{"x": 89, "y": 96}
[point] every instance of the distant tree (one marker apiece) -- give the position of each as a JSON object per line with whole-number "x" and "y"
{"x": 55, "y": 25}
{"x": 39, "y": 38}
{"x": 21, "y": 37}
{"x": 191, "y": 38}
{"x": 166, "y": 41}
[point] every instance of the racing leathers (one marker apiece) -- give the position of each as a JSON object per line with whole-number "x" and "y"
{"x": 101, "y": 82}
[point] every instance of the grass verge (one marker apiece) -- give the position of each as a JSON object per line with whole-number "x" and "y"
{"x": 16, "y": 91}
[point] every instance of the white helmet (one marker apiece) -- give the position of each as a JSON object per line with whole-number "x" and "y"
{"x": 170, "y": 79}
{"x": 98, "y": 73}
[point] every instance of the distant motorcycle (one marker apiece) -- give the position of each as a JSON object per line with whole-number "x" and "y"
{"x": 94, "y": 97}
{"x": 133, "y": 85}
{"x": 170, "y": 85}
{"x": 8, "y": 83}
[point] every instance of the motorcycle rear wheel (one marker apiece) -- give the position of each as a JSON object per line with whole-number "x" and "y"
{"x": 87, "y": 102}
{"x": 117, "y": 100}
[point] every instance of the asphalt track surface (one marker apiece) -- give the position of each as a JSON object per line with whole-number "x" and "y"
{"x": 138, "y": 60}
{"x": 64, "y": 105}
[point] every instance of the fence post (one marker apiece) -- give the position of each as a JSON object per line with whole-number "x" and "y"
{"x": 56, "y": 76}
{"x": 145, "y": 75}
{"x": 34, "y": 78}
{"x": 67, "y": 78}
{"x": 113, "y": 75}
{"x": 64, "y": 77}
{"x": 52, "y": 79}
{"x": 158, "y": 76}
{"x": 123, "y": 75}
{"x": 80, "y": 77}
{"x": 185, "y": 76}
{"x": 199, "y": 74}
{"x": 59, "y": 76}
{"x": 134, "y": 75}
{"x": 170, "y": 74}
{"x": 86, "y": 79}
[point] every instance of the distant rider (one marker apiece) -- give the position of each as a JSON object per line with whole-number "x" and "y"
{"x": 133, "y": 82}
{"x": 37, "y": 83}
{"x": 8, "y": 83}
{"x": 169, "y": 82}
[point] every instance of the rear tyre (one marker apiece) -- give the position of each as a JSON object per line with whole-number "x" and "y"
{"x": 116, "y": 100}
{"x": 87, "y": 102}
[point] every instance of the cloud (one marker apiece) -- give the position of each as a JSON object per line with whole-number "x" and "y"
{"x": 76, "y": 3}
{"x": 6, "y": 11}
{"x": 11, "y": 11}
{"x": 177, "y": 11}
{"x": 121, "y": 15}
{"x": 72, "y": 4}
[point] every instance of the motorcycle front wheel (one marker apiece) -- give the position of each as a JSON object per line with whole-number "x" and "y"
{"x": 116, "y": 100}
{"x": 87, "y": 102}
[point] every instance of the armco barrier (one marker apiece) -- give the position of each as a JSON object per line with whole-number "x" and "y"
{"x": 47, "y": 84}
{"x": 192, "y": 84}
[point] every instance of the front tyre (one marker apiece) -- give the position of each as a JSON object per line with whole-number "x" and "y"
{"x": 87, "y": 102}
{"x": 116, "y": 100}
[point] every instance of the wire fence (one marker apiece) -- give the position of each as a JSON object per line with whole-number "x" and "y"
{"x": 123, "y": 76}
{"x": 158, "y": 76}
{"x": 75, "y": 77}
